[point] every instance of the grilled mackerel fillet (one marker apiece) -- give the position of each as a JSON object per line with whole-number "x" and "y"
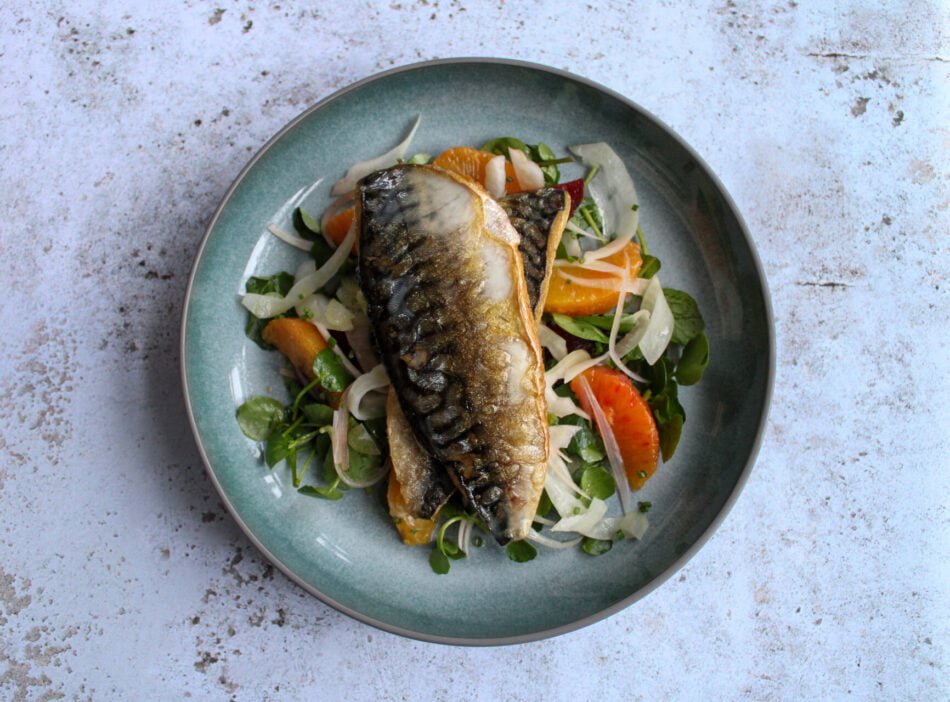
{"x": 445, "y": 288}
{"x": 539, "y": 217}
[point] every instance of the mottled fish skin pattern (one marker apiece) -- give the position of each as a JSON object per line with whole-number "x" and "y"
{"x": 539, "y": 218}
{"x": 424, "y": 484}
{"x": 446, "y": 295}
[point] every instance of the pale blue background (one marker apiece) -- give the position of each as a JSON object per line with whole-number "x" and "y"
{"x": 121, "y": 577}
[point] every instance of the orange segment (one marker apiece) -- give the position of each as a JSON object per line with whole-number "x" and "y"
{"x": 339, "y": 225}
{"x": 630, "y": 418}
{"x": 414, "y": 531}
{"x": 297, "y": 339}
{"x": 471, "y": 163}
{"x": 575, "y": 299}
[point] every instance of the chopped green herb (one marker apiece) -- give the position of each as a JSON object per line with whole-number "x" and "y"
{"x": 596, "y": 547}
{"x": 644, "y": 507}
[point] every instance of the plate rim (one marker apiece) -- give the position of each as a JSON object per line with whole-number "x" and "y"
{"x": 660, "y": 578}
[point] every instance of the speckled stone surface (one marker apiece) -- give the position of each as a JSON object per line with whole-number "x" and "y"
{"x": 121, "y": 127}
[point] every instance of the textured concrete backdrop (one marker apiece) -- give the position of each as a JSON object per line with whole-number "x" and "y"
{"x": 122, "y": 124}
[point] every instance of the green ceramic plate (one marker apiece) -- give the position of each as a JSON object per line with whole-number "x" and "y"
{"x": 346, "y": 552}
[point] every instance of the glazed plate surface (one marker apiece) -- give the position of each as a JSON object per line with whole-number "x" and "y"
{"x": 346, "y": 552}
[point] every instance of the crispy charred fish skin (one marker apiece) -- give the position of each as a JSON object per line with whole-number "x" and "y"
{"x": 424, "y": 484}
{"x": 539, "y": 217}
{"x": 446, "y": 295}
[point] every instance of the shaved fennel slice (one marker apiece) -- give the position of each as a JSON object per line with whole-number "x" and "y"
{"x": 330, "y": 313}
{"x": 594, "y": 266}
{"x": 659, "y": 330}
{"x": 612, "y": 352}
{"x": 610, "y": 445}
{"x": 361, "y": 388}
{"x": 291, "y": 239}
{"x": 613, "y": 190}
{"x": 339, "y": 432}
{"x": 361, "y": 342}
{"x": 552, "y": 341}
{"x": 495, "y": 177}
{"x": 628, "y": 343}
{"x": 585, "y": 521}
{"x": 635, "y": 286}
{"x": 266, "y": 306}
{"x": 580, "y": 231}
{"x": 528, "y": 173}
{"x": 364, "y": 168}
{"x": 542, "y": 540}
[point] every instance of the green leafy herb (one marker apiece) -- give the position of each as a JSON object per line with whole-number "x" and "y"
{"x": 501, "y": 145}
{"x": 597, "y": 481}
{"x": 259, "y": 417}
{"x": 521, "y": 551}
{"x": 582, "y": 330}
{"x": 318, "y": 414}
{"x": 650, "y": 267}
{"x": 670, "y": 433}
{"x": 439, "y": 562}
{"x": 547, "y": 160}
{"x": 329, "y": 371}
{"x": 329, "y": 492}
{"x": 641, "y": 238}
{"x": 586, "y": 444}
{"x": 544, "y": 505}
{"x": 596, "y": 547}
{"x": 363, "y": 466}
{"x": 689, "y": 322}
{"x": 644, "y": 507}
{"x": 306, "y": 224}
{"x": 279, "y": 283}
{"x": 693, "y": 362}
{"x": 276, "y": 449}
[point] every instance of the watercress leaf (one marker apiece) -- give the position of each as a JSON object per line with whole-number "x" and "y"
{"x": 327, "y": 493}
{"x": 596, "y": 547}
{"x": 582, "y": 330}
{"x": 521, "y": 551}
{"x": 279, "y": 283}
{"x": 276, "y": 449}
{"x": 644, "y": 507}
{"x": 438, "y": 562}
{"x": 670, "y": 433}
{"x": 543, "y": 155}
{"x": 377, "y": 429}
{"x": 544, "y": 505}
{"x": 650, "y": 267}
{"x": 586, "y": 443}
{"x": 259, "y": 417}
{"x": 328, "y": 368}
{"x": 501, "y": 145}
{"x": 362, "y": 466}
{"x": 321, "y": 251}
{"x": 306, "y": 224}
{"x": 688, "y": 320}
{"x": 317, "y": 413}
{"x": 359, "y": 439}
{"x": 693, "y": 362}
{"x": 597, "y": 481}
